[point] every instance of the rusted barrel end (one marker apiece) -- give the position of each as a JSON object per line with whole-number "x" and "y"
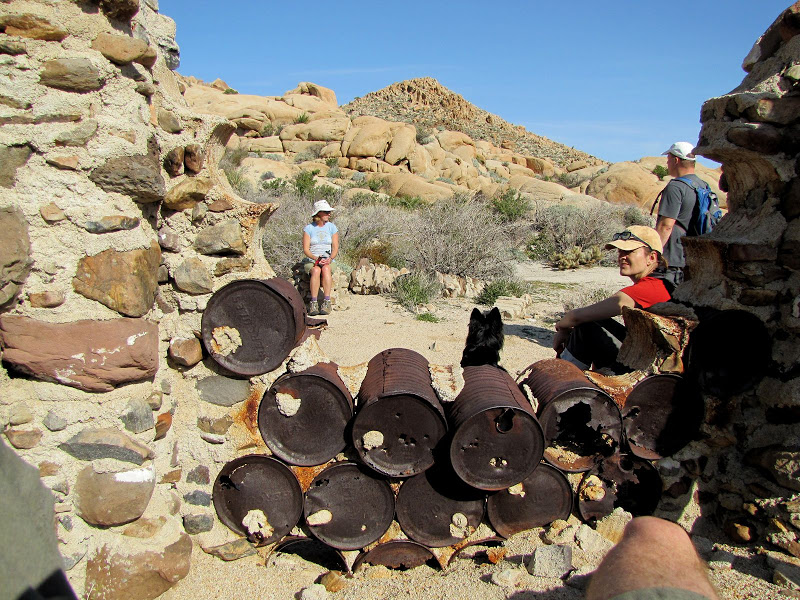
{"x": 621, "y": 481}
{"x": 347, "y": 507}
{"x": 582, "y": 424}
{"x": 662, "y": 414}
{"x": 250, "y": 326}
{"x": 302, "y": 416}
{"x": 543, "y": 497}
{"x": 437, "y": 509}
{"x": 397, "y": 554}
{"x": 312, "y": 550}
{"x": 497, "y": 441}
{"x": 399, "y": 422}
{"x": 258, "y": 497}
{"x": 728, "y": 352}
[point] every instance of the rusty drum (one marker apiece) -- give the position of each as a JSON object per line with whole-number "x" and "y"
{"x": 396, "y": 554}
{"x": 728, "y": 352}
{"x": 543, "y": 497}
{"x": 347, "y": 507}
{"x": 497, "y": 440}
{"x": 622, "y": 480}
{"x": 662, "y": 414}
{"x": 399, "y": 421}
{"x": 437, "y": 509}
{"x": 250, "y": 326}
{"x": 582, "y": 424}
{"x": 258, "y": 497}
{"x": 303, "y": 416}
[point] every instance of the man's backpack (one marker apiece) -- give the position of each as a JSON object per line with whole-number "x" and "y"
{"x": 706, "y": 211}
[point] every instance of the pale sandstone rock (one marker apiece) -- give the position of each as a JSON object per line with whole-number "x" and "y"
{"x": 187, "y": 193}
{"x": 15, "y": 247}
{"x": 113, "y": 498}
{"x": 312, "y": 89}
{"x": 402, "y": 144}
{"x": 626, "y": 183}
{"x": 119, "y": 49}
{"x": 31, "y": 26}
{"x": 317, "y": 130}
{"x": 270, "y": 144}
{"x": 370, "y": 137}
{"x": 72, "y": 75}
{"x": 90, "y": 355}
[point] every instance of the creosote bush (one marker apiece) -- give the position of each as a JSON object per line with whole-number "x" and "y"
{"x": 500, "y": 287}
{"x": 660, "y": 171}
{"x": 302, "y": 118}
{"x": 511, "y": 205}
{"x": 427, "y": 317}
{"x": 230, "y": 91}
{"x": 416, "y": 288}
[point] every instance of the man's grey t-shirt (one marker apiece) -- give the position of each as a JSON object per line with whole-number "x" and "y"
{"x": 677, "y": 202}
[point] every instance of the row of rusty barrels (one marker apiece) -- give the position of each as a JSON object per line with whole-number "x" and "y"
{"x": 488, "y": 464}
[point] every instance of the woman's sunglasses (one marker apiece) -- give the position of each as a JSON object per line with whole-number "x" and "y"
{"x": 627, "y": 235}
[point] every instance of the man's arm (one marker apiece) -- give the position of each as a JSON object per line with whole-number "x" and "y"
{"x": 664, "y": 227}
{"x": 605, "y": 309}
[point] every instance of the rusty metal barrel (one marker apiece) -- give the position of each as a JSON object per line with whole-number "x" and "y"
{"x": 396, "y": 554}
{"x": 728, "y": 352}
{"x": 581, "y": 423}
{"x": 250, "y": 326}
{"x": 541, "y": 498}
{"x": 497, "y": 440}
{"x": 348, "y": 507}
{"x": 399, "y": 421}
{"x": 302, "y": 416}
{"x": 620, "y": 481}
{"x": 258, "y": 497}
{"x": 437, "y": 509}
{"x": 662, "y": 414}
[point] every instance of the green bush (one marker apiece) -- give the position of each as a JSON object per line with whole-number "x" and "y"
{"x": 238, "y": 181}
{"x": 446, "y": 180}
{"x": 275, "y": 157}
{"x": 500, "y": 287}
{"x": 571, "y": 180}
{"x": 511, "y": 205}
{"x": 331, "y": 162}
{"x": 406, "y": 202}
{"x": 275, "y": 186}
{"x": 230, "y": 91}
{"x": 427, "y": 317}
{"x": 309, "y": 154}
{"x": 232, "y": 158}
{"x": 577, "y": 257}
{"x": 376, "y": 184}
{"x": 304, "y": 183}
{"x": 416, "y": 288}
{"x": 660, "y": 171}
{"x": 334, "y": 173}
{"x": 302, "y": 118}
{"x": 635, "y": 216}
{"x": 423, "y": 133}
{"x": 266, "y": 130}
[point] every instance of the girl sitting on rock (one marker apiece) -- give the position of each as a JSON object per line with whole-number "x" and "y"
{"x": 320, "y": 246}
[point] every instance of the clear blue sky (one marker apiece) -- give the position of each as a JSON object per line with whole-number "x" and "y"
{"x": 619, "y": 80}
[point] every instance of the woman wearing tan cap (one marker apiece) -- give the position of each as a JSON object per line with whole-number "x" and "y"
{"x": 588, "y": 337}
{"x": 320, "y": 246}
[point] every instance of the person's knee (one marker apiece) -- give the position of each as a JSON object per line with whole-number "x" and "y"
{"x": 644, "y": 530}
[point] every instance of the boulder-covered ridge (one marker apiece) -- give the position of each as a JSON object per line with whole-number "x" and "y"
{"x": 427, "y": 103}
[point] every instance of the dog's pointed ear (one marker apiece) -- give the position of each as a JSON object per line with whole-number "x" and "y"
{"x": 494, "y": 316}
{"x": 476, "y": 315}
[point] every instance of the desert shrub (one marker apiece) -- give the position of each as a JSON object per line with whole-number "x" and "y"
{"x": 230, "y": 163}
{"x": 230, "y": 91}
{"x": 571, "y": 180}
{"x": 406, "y": 202}
{"x": 634, "y": 215}
{"x": 423, "y": 133}
{"x": 275, "y": 186}
{"x": 511, "y": 205}
{"x": 266, "y": 130}
{"x": 660, "y": 171}
{"x": 373, "y": 232}
{"x": 586, "y": 296}
{"x": 459, "y": 236}
{"x": 331, "y": 162}
{"x": 494, "y": 176}
{"x": 232, "y": 158}
{"x": 275, "y": 157}
{"x": 309, "y": 154}
{"x": 427, "y": 317}
{"x": 304, "y": 183}
{"x": 267, "y": 175}
{"x": 376, "y": 184}
{"x": 358, "y": 177}
{"x": 302, "y": 118}
{"x": 327, "y": 192}
{"x": 415, "y": 288}
{"x": 577, "y": 257}
{"x": 334, "y": 172}
{"x": 283, "y": 236}
{"x": 446, "y": 180}
{"x": 500, "y": 287}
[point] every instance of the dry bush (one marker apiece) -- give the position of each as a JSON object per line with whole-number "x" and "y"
{"x": 283, "y": 237}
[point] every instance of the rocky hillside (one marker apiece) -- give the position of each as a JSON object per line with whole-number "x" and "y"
{"x": 428, "y": 104}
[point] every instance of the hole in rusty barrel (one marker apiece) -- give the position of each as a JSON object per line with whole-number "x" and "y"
{"x": 313, "y": 551}
{"x": 728, "y": 352}
{"x": 620, "y": 481}
{"x": 505, "y": 422}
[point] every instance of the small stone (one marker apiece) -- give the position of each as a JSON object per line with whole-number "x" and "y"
{"x": 212, "y": 438}
{"x": 173, "y": 476}
{"x": 67, "y": 163}
{"x": 61, "y": 487}
{"x": 218, "y": 426}
{"x": 173, "y": 161}
{"x": 77, "y": 136}
{"x": 20, "y": 414}
{"x": 66, "y": 522}
{"x": 162, "y": 276}
{"x": 192, "y": 277}
{"x": 194, "y": 524}
{"x": 51, "y": 213}
{"x": 48, "y": 469}
{"x": 113, "y": 498}
{"x": 193, "y": 158}
{"x": 198, "y": 498}
{"x": 333, "y": 581}
{"x": 138, "y": 416}
{"x": 47, "y": 299}
{"x": 71, "y": 74}
{"x": 31, "y": 26}
{"x": 186, "y": 352}
{"x": 166, "y": 386}
{"x": 591, "y": 541}
{"x": 315, "y": 591}
{"x": 155, "y": 399}
{"x": 168, "y": 121}
{"x": 199, "y": 474}
{"x": 229, "y": 265}
{"x": 226, "y": 237}
{"x": 507, "y": 577}
{"x": 232, "y": 550}
{"x": 23, "y": 439}
{"x": 612, "y": 526}
{"x": 163, "y": 423}
{"x": 54, "y": 422}
{"x": 112, "y": 223}
{"x": 119, "y": 49}
{"x": 149, "y": 58}
{"x": 221, "y": 205}
{"x": 199, "y": 212}
{"x": 11, "y": 159}
{"x": 223, "y": 391}
{"x": 551, "y": 561}
{"x": 92, "y": 444}
{"x": 559, "y": 532}
{"x": 495, "y": 555}
{"x": 12, "y": 47}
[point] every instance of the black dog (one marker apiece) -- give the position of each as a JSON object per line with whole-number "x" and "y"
{"x": 484, "y": 339}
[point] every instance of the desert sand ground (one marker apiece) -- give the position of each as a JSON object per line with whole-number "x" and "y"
{"x": 370, "y": 324}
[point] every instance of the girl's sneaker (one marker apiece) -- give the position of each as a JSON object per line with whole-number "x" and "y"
{"x": 313, "y": 309}
{"x": 326, "y": 307}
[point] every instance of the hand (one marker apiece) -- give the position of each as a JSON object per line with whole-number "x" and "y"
{"x": 324, "y": 261}
{"x": 560, "y": 339}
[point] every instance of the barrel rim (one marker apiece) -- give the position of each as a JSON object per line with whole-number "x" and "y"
{"x": 364, "y": 555}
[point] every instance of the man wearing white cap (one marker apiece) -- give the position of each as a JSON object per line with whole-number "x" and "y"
{"x": 589, "y": 337}
{"x": 678, "y": 201}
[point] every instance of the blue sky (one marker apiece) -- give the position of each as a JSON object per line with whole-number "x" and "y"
{"x": 619, "y": 80}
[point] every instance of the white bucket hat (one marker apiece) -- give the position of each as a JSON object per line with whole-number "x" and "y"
{"x": 683, "y": 150}
{"x": 320, "y": 206}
